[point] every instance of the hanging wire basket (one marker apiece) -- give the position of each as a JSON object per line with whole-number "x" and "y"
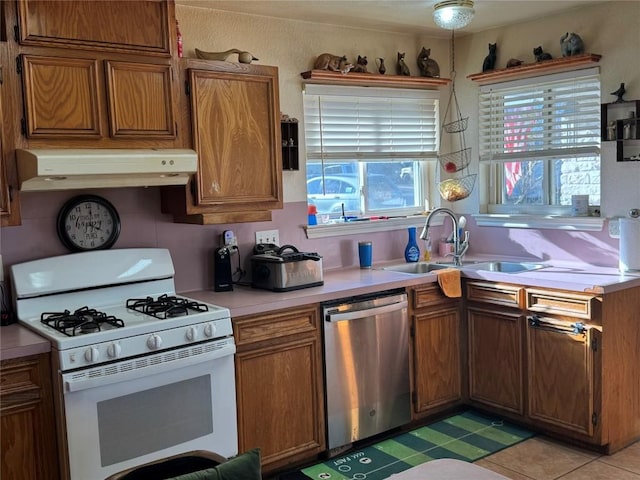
{"x": 455, "y": 161}
{"x": 456, "y": 126}
{"x": 456, "y": 189}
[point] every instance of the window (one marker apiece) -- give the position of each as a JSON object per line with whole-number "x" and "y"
{"x": 541, "y": 139}
{"x": 367, "y": 148}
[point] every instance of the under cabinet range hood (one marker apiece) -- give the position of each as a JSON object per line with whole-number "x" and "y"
{"x": 65, "y": 169}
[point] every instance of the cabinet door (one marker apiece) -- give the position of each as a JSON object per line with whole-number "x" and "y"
{"x": 128, "y": 26}
{"x": 236, "y": 131}
{"x": 564, "y": 365}
{"x": 61, "y": 97}
{"x": 140, "y": 100}
{"x": 495, "y": 358}
{"x": 436, "y": 357}
{"x": 279, "y": 385}
{"x": 279, "y": 401}
{"x": 29, "y": 448}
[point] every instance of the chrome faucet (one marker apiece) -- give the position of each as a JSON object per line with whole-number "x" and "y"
{"x": 460, "y": 246}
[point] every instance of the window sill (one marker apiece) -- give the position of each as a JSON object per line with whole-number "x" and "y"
{"x": 590, "y": 224}
{"x": 367, "y": 226}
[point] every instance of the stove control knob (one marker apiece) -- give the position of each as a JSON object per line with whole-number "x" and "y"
{"x": 91, "y": 354}
{"x": 154, "y": 342}
{"x": 114, "y": 350}
{"x": 209, "y": 330}
{"x": 192, "y": 333}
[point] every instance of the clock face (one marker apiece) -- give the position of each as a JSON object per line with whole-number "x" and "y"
{"x": 88, "y": 222}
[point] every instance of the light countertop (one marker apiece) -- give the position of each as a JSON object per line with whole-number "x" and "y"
{"x": 18, "y": 341}
{"x": 348, "y": 282}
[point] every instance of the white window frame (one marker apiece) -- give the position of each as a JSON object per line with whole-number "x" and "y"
{"x": 492, "y": 157}
{"x": 392, "y": 144}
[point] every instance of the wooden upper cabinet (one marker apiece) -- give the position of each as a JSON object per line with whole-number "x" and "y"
{"x": 61, "y": 97}
{"x": 235, "y": 125}
{"x": 140, "y": 100}
{"x": 123, "y": 26}
{"x": 94, "y": 99}
{"x": 234, "y": 132}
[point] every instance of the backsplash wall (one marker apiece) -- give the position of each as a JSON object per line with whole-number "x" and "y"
{"x": 191, "y": 246}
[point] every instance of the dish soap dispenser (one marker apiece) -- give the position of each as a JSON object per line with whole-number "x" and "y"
{"x": 412, "y": 251}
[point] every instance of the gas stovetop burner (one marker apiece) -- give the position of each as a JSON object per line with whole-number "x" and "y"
{"x": 82, "y": 321}
{"x": 166, "y": 306}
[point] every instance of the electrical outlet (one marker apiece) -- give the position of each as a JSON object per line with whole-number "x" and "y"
{"x": 614, "y": 228}
{"x": 268, "y": 236}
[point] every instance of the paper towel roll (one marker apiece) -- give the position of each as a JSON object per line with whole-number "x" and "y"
{"x": 629, "y": 244}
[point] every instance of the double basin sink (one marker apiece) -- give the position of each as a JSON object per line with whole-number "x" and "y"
{"x": 492, "y": 266}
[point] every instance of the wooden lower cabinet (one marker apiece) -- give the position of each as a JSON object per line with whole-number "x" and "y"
{"x": 564, "y": 362}
{"x": 564, "y": 374}
{"x": 280, "y": 387}
{"x": 28, "y": 439}
{"x": 496, "y": 367}
{"x": 436, "y": 350}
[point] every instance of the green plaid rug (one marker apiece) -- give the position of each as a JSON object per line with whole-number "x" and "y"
{"x": 468, "y": 436}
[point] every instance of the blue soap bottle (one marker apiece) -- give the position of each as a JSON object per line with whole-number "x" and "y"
{"x": 412, "y": 251}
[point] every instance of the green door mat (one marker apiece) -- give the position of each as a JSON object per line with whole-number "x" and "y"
{"x": 468, "y": 436}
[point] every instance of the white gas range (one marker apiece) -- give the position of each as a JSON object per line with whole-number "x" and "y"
{"x": 140, "y": 372}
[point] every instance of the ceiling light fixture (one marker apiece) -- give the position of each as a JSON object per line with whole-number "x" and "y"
{"x": 453, "y": 14}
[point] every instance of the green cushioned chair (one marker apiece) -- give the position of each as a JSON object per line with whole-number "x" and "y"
{"x": 197, "y": 465}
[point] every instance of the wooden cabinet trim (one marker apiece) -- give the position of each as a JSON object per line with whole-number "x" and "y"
{"x": 495, "y": 293}
{"x": 551, "y": 302}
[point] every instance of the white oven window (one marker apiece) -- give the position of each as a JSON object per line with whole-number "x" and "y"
{"x": 145, "y": 422}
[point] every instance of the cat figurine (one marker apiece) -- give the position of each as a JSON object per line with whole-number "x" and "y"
{"x": 381, "y": 68}
{"x": 427, "y": 66}
{"x": 330, "y": 62}
{"x": 401, "y": 66}
{"x": 571, "y": 44}
{"x": 361, "y": 65}
{"x": 490, "y": 60}
{"x": 540, "y": 55}
{"x": 514, "y": 62}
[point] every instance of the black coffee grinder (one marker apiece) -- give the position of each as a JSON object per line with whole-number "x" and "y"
{"x": 222, "y": 277}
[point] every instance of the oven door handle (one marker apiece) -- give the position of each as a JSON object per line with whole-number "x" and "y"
{"x": 133, "y": 369}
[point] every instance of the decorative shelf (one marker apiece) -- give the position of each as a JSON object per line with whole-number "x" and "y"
{"x": 372, "y": 80}
{"x": 555, "y": 65}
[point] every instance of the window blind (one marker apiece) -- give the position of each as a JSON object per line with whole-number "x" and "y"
{"x": 369, "y": 124}
{"x": 552, "y": 116}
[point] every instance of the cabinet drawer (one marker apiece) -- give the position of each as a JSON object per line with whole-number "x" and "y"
{"x": 258, "y": 328}
{"x": 427, "y": 295}
{"x": 495, "y": 293}
{"x": 20, "y": 382}
{"x": 563, "y": 303}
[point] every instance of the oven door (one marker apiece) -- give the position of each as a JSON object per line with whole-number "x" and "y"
{"x": 138, "y": 410}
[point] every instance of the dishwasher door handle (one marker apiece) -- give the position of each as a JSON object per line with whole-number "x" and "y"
{"x": 366, "y": 312}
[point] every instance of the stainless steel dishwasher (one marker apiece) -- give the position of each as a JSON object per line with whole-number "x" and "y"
{"x": 366, "y": 351}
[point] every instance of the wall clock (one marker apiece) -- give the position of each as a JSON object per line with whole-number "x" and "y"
{"x": 88, "y": 222}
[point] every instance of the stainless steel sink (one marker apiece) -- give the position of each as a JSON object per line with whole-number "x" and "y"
{"x": 507, "y": 267}
{"x": 418, "y": 268}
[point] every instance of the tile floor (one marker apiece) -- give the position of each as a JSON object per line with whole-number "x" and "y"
{"x": 541, "y": 458}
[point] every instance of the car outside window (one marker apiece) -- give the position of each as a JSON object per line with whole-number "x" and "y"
{"x": 367, "y": 149}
